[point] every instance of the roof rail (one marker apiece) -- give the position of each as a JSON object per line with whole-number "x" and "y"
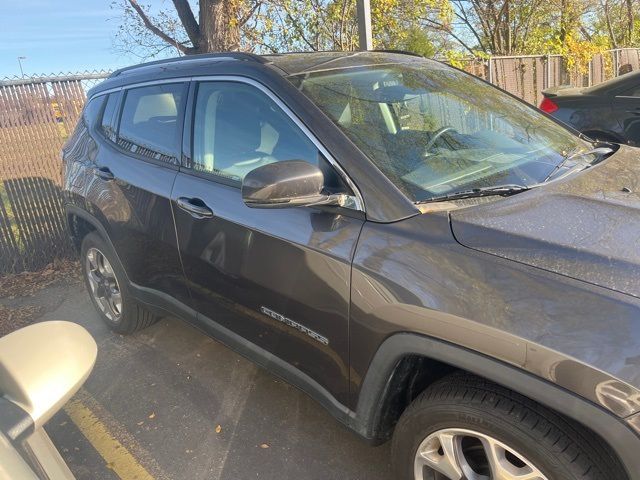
{"x": 244, "y": 56}
{"x": 401, "y": 52}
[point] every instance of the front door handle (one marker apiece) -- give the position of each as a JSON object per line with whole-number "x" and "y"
{"x": 104, "y": 173}
{"x": 195, "y": 207}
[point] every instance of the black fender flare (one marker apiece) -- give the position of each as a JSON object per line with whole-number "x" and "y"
{"x": 70, "y": 209}
{"x": 375, "y": 387}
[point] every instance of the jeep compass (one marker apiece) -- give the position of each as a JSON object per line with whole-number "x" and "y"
{"x": 436, "y": 262}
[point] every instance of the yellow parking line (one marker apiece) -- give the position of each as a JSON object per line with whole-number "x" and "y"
{"x": 117, "y": 457}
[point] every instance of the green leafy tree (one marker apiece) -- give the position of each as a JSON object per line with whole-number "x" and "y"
{"x": 272, "y": 26}
{"x": 332, "y": 24}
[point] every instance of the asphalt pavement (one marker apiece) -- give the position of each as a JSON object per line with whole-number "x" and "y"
{"x": 171, "y": 403}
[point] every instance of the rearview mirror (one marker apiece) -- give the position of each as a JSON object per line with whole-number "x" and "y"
{"x": 291, "y": 183}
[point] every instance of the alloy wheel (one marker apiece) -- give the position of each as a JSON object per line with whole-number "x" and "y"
{"x": 460, "y": 454}
{"x": 104, "y": 284}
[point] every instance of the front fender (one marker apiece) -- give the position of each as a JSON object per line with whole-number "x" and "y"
{"x": 368, "y": 418}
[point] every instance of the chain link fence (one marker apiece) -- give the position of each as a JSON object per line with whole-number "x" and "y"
{"x": 37, "y": 114}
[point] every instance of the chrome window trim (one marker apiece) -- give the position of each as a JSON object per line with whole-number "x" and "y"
{"x": 104, "y": 92}
{"x": 142, "y": 84}
{"x": 358, "y": 200}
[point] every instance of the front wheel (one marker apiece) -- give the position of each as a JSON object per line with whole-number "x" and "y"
{"x": 466, "y": 428}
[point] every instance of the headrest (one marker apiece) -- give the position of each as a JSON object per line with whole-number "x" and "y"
{"x": 238, "y": 124}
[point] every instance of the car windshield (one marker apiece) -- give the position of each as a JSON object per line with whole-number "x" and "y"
{"x": 434, "y": 130}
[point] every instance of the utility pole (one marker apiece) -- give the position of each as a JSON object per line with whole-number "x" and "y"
{"x": 20, "y": 63}
{"x": 364, "y": 25}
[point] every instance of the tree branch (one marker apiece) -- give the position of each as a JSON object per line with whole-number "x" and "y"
{"x": 188, "y": 21}
{"x": 461, "y": 13}
{"x": 443, "y": 28}
{"x": 297, "y": 27}
{"x": 149, "y": 24}
{"x": 245, "y": 18}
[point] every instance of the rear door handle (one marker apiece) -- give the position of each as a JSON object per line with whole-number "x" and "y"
{"x": 104, "y": 173}
{"x": 195, "y": 207}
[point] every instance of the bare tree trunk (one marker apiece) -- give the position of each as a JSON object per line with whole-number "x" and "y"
{"x": 629, "y": 4}
{"x": 219, "y": 25}
{"x": 218, "y": 28}
{"x": 564, "y": 20}
{"x": 607, "y": 16}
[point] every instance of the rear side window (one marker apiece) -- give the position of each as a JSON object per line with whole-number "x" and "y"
{"x": 92, "y": 110}
{"x": 149, "y": 121}
{"x": 107, "y": 122}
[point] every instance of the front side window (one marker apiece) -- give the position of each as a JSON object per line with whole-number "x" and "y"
{"x": 238, "y": 128}
{"x": 149, "y": 121}
{"x": 433, "y": 130}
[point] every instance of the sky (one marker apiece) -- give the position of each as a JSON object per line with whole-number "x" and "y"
{"x": 58, "y": 36}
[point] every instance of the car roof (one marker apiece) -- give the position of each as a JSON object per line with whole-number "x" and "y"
{"x": 306, "y": 62}
{"x": 291, "y": 63}
{"x": 249, "y": 64}
{"x": 285, "y": 64}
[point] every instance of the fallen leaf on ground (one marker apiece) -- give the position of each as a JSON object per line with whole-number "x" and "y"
{"x": 26, "y": 284}
{"x": 14, "y": 318}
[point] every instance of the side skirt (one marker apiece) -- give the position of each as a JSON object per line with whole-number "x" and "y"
{"x": 165, "y": 304}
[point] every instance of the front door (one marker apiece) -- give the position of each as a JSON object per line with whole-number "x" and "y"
{"x": 278, "y": 277}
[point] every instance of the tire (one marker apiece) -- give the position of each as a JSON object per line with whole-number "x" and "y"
{"x": 472, "y": 414}
{"x": 123, "y": 314}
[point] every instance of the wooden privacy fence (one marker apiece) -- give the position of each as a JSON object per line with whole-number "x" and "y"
{"x": 36, "y": 117}
{"x": 526, "y": 76}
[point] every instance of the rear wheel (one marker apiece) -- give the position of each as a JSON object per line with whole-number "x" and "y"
{"x": 466, "y": 428}
{"x": 107, "y": 286}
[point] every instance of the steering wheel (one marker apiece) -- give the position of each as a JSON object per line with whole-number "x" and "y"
{"x": 436, "y": 135}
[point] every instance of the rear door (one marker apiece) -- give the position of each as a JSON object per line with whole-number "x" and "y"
{"x": 134, "y": 168}
{"x": 279, "y": 278}
{"x": 627, "y": 107}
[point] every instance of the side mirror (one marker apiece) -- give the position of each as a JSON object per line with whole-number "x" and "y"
{"x": 291, "y": 183}
{"x": 43, "y": 365}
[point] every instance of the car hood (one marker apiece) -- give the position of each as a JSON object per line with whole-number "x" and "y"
{"x": 586, "y": 226}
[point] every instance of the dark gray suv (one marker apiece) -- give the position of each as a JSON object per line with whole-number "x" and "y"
{"x": 430, "y": 258}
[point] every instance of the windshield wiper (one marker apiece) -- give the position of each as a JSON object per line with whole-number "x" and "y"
{"x": 602, "y": 151}
{"x": 502, "y": 190}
